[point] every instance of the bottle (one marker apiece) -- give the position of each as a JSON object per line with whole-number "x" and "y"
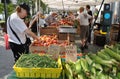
{"x": 92, "y": 36}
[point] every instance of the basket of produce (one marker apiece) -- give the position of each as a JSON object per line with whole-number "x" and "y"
{"x": 45, "y": 42}
{"x": 36, "y": 66}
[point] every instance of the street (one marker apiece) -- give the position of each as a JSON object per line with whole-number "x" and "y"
{"x": 6, "y": 59}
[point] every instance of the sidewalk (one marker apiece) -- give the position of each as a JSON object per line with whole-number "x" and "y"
{"x": 6, "y": 59}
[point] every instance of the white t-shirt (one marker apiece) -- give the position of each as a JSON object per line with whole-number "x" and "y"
{"x": 84, "y": 18}
{"x": 18, "y": 26}
{"x": 41, "y": 22}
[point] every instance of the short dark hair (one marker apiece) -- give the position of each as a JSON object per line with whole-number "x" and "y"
{"x": 26, "y": 7}
{"x": 88, "y": 6}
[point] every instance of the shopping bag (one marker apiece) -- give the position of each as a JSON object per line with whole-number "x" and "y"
{"x": 7, "y": 46}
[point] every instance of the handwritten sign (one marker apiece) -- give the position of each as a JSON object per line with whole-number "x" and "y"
{"x": 54, "y": 50}
{"x": 71, "y": 53}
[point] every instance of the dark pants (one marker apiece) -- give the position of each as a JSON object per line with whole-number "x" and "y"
{"x": 18, "y": 50}
{"x": 89, "y": 36}
{"x": 118, "y": 39}
{"x": 84, "y": 29}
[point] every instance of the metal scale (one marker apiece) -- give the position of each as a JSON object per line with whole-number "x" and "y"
{"x": 68, "y": 30}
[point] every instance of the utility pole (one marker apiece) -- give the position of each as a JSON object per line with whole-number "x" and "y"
{"x": 5, "y": 11}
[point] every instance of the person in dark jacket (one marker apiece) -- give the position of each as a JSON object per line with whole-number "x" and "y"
{"x": 90, "y": 13}
{"x": 118, "y": 38}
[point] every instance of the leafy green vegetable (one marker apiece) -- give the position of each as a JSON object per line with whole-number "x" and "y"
{"x": 36, "y": 61}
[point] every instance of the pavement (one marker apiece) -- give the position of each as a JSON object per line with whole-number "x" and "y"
{"x": 6, "y": 60}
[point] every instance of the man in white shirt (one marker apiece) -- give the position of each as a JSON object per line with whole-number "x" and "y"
{"x": 84, "y": 26}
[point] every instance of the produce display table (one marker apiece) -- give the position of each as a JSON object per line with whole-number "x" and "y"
{"x": 13, "y": 76}
{"x": 55, "y": 30}
{"x": 67, "y": 33}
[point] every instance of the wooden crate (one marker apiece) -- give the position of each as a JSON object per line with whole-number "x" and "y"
{"x": 38, "y": 49}
{"x": 114, "y": 32}
{"x": 48, "y": 31}
{"x": 63, "y": 36}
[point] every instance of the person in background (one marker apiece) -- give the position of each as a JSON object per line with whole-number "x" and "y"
{"x": 18, "y": 31}
{"x": 38, "y": 18}
{"x": 51, "y": 19}
{"x": 90, "y": 21}
{"x": 84, "y": 26}
{"x": 64, "y": 15}
{"x": 70, "y": 18}
{"x": 70, "y": 15}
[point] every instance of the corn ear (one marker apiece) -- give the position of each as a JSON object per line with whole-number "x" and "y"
{"x": 114, "y": 71}
{"x": 99, "y": 60}
{"x": 118, "y": 75}
{"x": 89, "y": 60}
{"x": 72, "y": 65}
{"x": 93, "y": 71}
{"x": 97, "y": 66}
{"x": 112, "y": 54}
{"x": 103, "y": 55}
{"x": 84, "y": 65}
{"x": 78, "y": 66}
{"x": 81, "y": 76}
{"x": 68, "y": 71}
{"x": 101, "y": 76}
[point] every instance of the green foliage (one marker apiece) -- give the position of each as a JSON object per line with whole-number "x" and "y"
{"x": 10, "y": 8}
{"x": 24, "y": 1}
{"x": 1, "y": 8}
{"x": 43, "y": 5}
{"x": 32, "y": 3}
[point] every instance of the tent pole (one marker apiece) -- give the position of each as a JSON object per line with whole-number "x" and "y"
{"x": 63, "y": 5}
{"x": 5, "y": 10}
{"x": 98, "y": 13}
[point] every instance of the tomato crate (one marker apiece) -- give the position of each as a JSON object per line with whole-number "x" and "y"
{"x": 39, "y": 72}
{"x": 38, "y": 49}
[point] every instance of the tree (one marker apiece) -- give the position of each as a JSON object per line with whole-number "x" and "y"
{"x": 1, "y": 8}
{"x": 7, "y": 1}
{"x": 10, "y": 8}
{"x": 32, "y": 4}
{"x": 43, "y": 6}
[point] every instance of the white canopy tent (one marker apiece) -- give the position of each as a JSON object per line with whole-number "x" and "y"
{"x": 72, "y": 4}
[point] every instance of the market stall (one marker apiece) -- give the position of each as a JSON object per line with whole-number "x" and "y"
{"x": 103, "y": 64}
{"x": 56, "y": 56}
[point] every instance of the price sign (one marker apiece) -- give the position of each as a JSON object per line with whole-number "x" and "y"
{"x": 54, "y": 50}
{"x": 71, "y": 53}
{"x": 67, "y": 30}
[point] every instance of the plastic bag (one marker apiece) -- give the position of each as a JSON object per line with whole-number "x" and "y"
{"x": 7, "y": 46}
